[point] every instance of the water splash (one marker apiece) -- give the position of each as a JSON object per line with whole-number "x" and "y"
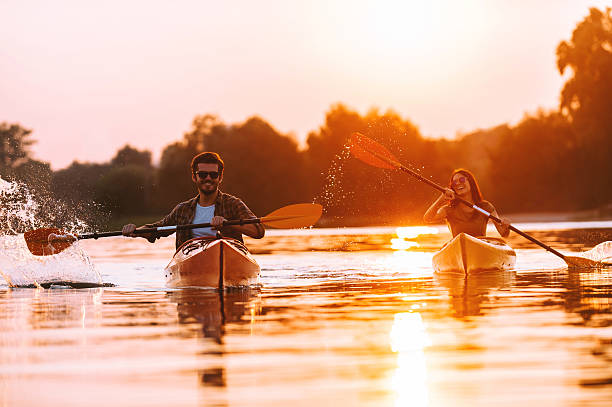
{"x": 602, "y": 253}
{"x": 17, "y": 208}
{"x": 20, "y": 210}
{"x": 21, "y": 268}
{"x": 333, "y": 192}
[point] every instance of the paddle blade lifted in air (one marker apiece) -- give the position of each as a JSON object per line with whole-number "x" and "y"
{"x": 293, "y": 216}
{"x": 371, "y": 152}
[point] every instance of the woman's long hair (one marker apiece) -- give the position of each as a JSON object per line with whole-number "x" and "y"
{"x": 474, "y": 188}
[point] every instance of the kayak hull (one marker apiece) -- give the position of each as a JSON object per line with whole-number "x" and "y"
{"x": 212, "y": 262}
{"x": 466, "y": 254}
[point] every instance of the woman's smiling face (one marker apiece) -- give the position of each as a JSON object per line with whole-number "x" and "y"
{"x": 460, "y": 184}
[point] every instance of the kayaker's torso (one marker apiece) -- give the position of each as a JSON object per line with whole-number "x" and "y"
{"x": 462, "y": 219}
{"x": 226, "y": 205}
{"x": 203, "y": 214}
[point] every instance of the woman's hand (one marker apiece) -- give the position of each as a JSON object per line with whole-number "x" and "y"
{"x": 504, "y": 227}
{"x": 449, "y": 194}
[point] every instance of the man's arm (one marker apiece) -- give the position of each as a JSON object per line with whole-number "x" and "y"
{"x": 254, "y": 230}
{"x": 168, "y": 220}
{"x": 239, "y": 210}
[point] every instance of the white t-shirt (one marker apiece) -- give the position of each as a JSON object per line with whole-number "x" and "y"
{"x": 204, "y": 214}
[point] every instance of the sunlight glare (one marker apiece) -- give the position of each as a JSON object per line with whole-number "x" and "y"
{"x": 401, "y": 24}
{"x": 401, "y": 244}
{"x": 409, "y": 339}
{"x": 410, "y": 263}
{"x": 410, "y": 232}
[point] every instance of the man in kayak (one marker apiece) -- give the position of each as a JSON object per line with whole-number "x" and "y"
{"x": 209, "y": 206}
{"x": 459, "y": 217}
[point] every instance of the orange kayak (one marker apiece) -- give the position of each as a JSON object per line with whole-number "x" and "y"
{"x": 467, "y": 254}
{"x": 212, "y": 262}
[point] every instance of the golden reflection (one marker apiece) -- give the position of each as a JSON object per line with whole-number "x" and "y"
{"x": 406, "y": 236}
{"x": 409, "y": 339}
{"x": 212, "y": 312}
{"x": 409, "y": 263}
{"x": 589, "y": 293}
{"x": 468, "y": 295}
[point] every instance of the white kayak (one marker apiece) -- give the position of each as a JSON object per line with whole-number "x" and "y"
{"x": 467, "y": 255}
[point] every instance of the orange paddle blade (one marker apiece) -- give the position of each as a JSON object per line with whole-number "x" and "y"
{"x": 575, "y": 262}
{"x": 47, "y": 241}
{"x": 371, "y": 152}
{"x": 293, "y": 216}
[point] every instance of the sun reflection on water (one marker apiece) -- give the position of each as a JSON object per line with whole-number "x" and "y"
{"x": 406, "y": 236}
{"x": 409, "y": 339}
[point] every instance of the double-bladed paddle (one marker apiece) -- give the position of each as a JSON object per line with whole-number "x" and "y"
{"x": 376, "y": 155}
{"x": 48, "y": 241}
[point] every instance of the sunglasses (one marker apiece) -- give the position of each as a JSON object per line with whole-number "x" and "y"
{"x": 211, "y": 174}
{"x": 460, "y": 180}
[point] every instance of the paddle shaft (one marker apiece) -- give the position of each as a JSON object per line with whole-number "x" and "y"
{"x": 468, "y": 203}
{"x": 97, "y": 235}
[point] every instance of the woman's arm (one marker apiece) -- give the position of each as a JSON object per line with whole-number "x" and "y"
{"x": 502, "y": 228}
{"x": 437, "y": 211}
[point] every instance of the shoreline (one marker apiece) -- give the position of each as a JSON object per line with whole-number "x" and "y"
{"x": 528, "y": 217}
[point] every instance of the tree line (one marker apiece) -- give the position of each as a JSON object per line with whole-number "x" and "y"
{"x": 556, "y": 160}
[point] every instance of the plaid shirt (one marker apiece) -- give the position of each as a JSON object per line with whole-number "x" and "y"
{"x": 226, "y": 205}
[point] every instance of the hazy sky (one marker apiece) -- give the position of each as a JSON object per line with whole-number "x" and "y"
{"x": 90, "y": 76}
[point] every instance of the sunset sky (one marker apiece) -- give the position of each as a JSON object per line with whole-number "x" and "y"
{"x": 89, "y": 77}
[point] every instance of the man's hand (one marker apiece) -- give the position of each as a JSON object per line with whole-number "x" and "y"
{"x": 217, "y": 222}
{"x": 128, "y": 230}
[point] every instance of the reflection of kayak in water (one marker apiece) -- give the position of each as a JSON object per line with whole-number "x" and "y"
{"x": 212, "y": 262}
{"x": 466, "y": 255}
{"x": 213, "y": 309}
{"x": 468, "y": 294}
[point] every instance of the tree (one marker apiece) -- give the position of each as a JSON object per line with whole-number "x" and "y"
{"x": 174, "y": 176}
{"x": 77, "y": 183}
{"x": 354, "y": 192}
{"x": 586, "y": 100}
{"x": 587, "y": 94}
{"x": 264, "y": 167}
{"x": 14, "y": 145}
{"x": 131, "y": 156}
{"x": 34, "y": 173}
{"x": 530, "y": 170}
{"x": 125, "y": 190}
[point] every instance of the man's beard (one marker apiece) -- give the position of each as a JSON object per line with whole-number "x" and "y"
{"x": 209, "y": 191}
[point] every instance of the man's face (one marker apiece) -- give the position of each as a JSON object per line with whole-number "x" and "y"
{"x": 205, "y": 179}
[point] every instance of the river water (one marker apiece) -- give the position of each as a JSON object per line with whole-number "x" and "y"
{"x": 339, "y": 318}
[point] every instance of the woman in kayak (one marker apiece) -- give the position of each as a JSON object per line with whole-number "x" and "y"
{"x": 460, "y": 217}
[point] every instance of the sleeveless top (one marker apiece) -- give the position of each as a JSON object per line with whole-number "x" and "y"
{"x": 474, "y": 224}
